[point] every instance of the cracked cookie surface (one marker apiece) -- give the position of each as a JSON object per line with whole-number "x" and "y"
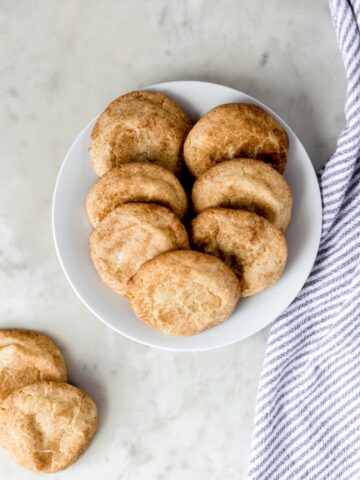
{"x": 245, "y": 184}
{"x": 130, "y": 235}
{"x": 139, "y": 126}
{"x": 27, "y": 357}
{"x": 46, "y": 426}
{"x": 235, "y": 130}
{"x": 135, "y": 182}
{"x": 183, "y": 292}
{"x": 248, "y": 243}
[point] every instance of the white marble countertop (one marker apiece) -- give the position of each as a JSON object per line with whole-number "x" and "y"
{"x": 162, "y": 415}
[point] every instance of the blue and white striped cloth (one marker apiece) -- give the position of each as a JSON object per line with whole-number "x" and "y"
{"x": 307, "y": 422}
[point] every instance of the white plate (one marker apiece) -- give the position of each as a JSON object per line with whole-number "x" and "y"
{"x": 71, "y": 229}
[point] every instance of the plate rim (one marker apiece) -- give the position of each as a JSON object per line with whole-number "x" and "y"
{"x": 158, "y": 86}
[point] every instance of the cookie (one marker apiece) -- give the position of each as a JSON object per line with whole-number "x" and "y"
{"x": 139, "y": 126}
{"x": 246, "y": 184}
{"x": 46, "y": 426}
{"x": 27, "y": 357}
{"x": 135, "y": 182}
{"x": 183, "y": 292}
{"x": 248, "y": 243}
{"x": 130, "y": 235}
{"x": 235, "y": 130}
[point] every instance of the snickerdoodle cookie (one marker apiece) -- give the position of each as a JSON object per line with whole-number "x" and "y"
{"x": 46, "y": 426}
{"x": 183, "y": 292}
{"x": 248, "y": 243}
{"x": 130, "y": 235}
{"x": 139, "y": 126}
{"x": 135, "y": 182}
{"x": 235, "y": 130}
{"x": 27, "y": 357}
{"x": 246, "y": 184}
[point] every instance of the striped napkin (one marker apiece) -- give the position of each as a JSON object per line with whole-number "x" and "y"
{"x": 307, "y": 422}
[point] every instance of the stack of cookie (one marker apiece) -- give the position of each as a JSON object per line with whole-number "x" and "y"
{"x": 45, "y": 423}
{"x": 143, "y": 147}
{"x": 238, "y": 153}
{"x": 136, "y": 208}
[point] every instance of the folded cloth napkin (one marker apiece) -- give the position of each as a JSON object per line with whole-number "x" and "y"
{"x": 307, "y": 422}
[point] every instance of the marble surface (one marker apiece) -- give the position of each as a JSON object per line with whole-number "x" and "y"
{"x": 163, "y": 415}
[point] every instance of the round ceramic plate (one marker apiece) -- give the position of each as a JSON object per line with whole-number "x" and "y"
{"x": 71, "y": 229}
